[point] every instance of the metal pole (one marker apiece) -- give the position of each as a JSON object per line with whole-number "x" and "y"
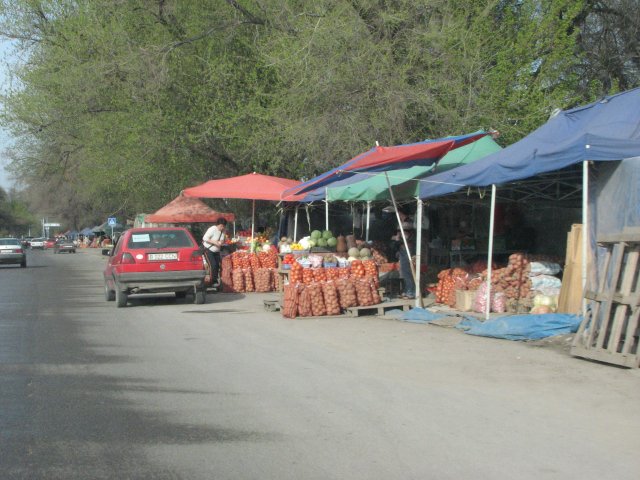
{"x": 585, "y": 229}
{"x": 295, "y": 225}
{"x": 253, "y": 219}
{"x": 404, "y": 238}
{"x": 368, "y": 218}
{"x": 492, "y": 215}
{"x": 326, "y": 208}
{"x": 418, "y": 251}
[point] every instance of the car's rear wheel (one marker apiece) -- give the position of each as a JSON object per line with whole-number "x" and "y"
{"x": 23, "y": 264}
{"x": 121, "y": 298}
{"x": 200, "y": 296}
{"x": 181, "y": 294}
{"x": 109, "y": 295}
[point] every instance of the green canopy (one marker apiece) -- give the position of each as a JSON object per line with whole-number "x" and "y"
{"x": 405, "y": 182}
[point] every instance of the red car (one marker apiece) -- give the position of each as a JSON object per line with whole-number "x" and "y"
{"x": 153, "y": 260}
{"x": 49, "y": 243}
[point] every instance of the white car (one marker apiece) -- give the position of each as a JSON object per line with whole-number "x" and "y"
{"x": 37, "y": 243}
{"x": 12, "y": 252}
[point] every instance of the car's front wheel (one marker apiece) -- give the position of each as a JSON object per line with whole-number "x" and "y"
{"x": 121, "y": 298}
{"x": 109, "y": 295}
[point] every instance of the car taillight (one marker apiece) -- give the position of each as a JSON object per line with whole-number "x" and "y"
{"x": 18, "y": 250}
{"x": 196, "y": 255}
{"x": 127, "y": 258}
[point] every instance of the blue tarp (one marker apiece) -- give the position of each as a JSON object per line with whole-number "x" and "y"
{"x": 86, "y": 231}
{"x": 605, "y": 130}
{"x": 420, "y": 315}
{"x": 522, "y": 327}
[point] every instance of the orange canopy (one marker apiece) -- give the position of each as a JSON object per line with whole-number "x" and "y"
{"x": 187, "y": 210}
{"x": 253, "y": 186}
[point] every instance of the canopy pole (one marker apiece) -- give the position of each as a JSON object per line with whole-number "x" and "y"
{"x": 487, "y": 309}
{"x": 295, "y": 224}
{"x": 326, "y": 208}
{"x": 418, "y": 251}
{"x": 368, "y": 219}
{"x": 234, "y": 229}
{"x": 253, "y": 220}
{"x": 404, "y": 238}
{"x": 585, "y": 230}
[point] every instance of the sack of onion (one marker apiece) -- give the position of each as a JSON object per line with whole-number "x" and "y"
{"x": 346, "y": 293}
{"x": 363, "y": 292}
{"x": 262, "y": 279}
{"x": 248, "y": 280}
{"x": 290, "y": 307}
{"x": 237, "y": 277}
{"x": 330, "y": 294}
{"x": 317, "y": 299}
{"x": 304, "y": 301}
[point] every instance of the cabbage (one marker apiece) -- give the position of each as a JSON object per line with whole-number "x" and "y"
{"x": 543, "y": 301}
{"x": 353, "y": 252}
{"x": 365, "y": 252}
{"x": 316, "y": 234}
{"x": 332, "y": 242}
{"x": 327, "y": 234}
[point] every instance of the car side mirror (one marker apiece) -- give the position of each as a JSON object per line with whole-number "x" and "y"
{"x": 107, "y": 251}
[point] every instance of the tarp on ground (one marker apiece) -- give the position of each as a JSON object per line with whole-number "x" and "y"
{"x": 608, "y": 129}
{"x": 406, "y": 182}
{"x": 184, "y": 209}
{"x": 522, "y": 327}
{"x": 384, "y": 159}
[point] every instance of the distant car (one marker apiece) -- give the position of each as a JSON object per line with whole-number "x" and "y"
{"x": 64, "y": 245}
{"x": 12, "y": 252}
{"x": 152, "y": 260}
{"x": 37, "y": 243}
{"x": 49, "y": 243}
{"x": 26, "y": 242}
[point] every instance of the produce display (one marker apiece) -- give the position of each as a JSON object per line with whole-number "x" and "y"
{"x": 249, "y": 272}
{"x": 326, "y": 290}
{"x": 513, "y": 288}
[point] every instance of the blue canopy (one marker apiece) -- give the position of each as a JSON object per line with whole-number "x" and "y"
{"x": 86, "y": 231}
{"x": 608, "y": 129}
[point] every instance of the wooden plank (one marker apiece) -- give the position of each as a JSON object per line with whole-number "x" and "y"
{"x": 627, "y": 235}
{"x": 620, "y": 316}
{"x": 631, "y": 335}
{"x": 629, "y": 361}
{"x": 602, "y": 321}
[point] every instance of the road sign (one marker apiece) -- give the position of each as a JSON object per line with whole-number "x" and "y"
{"x": 51, "y": 225}
{"x": 111, "y": 221}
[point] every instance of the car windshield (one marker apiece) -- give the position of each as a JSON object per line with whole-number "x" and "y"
{"x": 160, "y": 239}
{"x": 9, "y": 241}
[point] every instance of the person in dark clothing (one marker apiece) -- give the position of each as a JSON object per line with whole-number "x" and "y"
{"x": 213, "y": 240}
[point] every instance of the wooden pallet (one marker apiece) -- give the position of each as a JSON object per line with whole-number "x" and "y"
{"x": 380, "y": 308}
{"x": 609, "y": 332}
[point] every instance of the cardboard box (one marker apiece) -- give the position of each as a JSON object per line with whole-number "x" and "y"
{"x": 464, "y": 300}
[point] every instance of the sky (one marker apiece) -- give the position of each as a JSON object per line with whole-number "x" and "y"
{"x": 5, "y": 47}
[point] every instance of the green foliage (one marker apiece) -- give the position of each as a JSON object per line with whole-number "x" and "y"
{"x": 123, "y": 104}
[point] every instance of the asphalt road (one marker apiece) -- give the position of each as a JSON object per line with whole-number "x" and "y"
{"x": 165, "y": 389}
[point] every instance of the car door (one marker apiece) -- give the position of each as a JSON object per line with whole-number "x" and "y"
{"x": 114, "y": 259}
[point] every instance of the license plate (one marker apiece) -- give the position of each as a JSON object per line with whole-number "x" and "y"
{"x": 162, "y": 256}
{"x": 7, "y": 251}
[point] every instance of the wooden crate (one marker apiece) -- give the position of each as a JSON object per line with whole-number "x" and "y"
{"x": 380, "y": 308}
{"x": 609, "y": 332}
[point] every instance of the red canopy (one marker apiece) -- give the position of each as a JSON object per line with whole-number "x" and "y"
{"x": 252, "y": 186}
{"x": 187, "y": 210}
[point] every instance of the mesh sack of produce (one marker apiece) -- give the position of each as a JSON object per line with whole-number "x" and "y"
{"x": 363, "y": 292}
{"x": 344, "y": 272}
{"x": 296, "y": 273}
{"x": 307, "y": 276}
{"x": 268, "y": 259}
{"x": 317, "y": 299}
{"x": 480, "y": 302}
{"x": 290, "y": 307}
{"x": 237, "y": 277}
{"x": 332, "y": 273}
{"x": 275, "y": 280}
{"x": 374, "y": 292}
{"x": 371, "y": 271}
{"x": 304, "y": 301}
{"x": 248, "y": 280}
{"x": 346, "y": 293}
{"x": 331, "y": 302}
{"x": 262, "y": 279}
{"x": 226, "y": 269}
{"x": 254, "y": 261}
{"x": 319, "y": 274}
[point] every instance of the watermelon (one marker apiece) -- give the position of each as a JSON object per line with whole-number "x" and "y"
{"x": 322, "y": 242}
{"x": 316, "y": 234}
{"x": 332, "y": 242}
{"x": 327, "y": 234}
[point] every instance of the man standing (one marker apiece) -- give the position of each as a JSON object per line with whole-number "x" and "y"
{"x": 212, "y": 240}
